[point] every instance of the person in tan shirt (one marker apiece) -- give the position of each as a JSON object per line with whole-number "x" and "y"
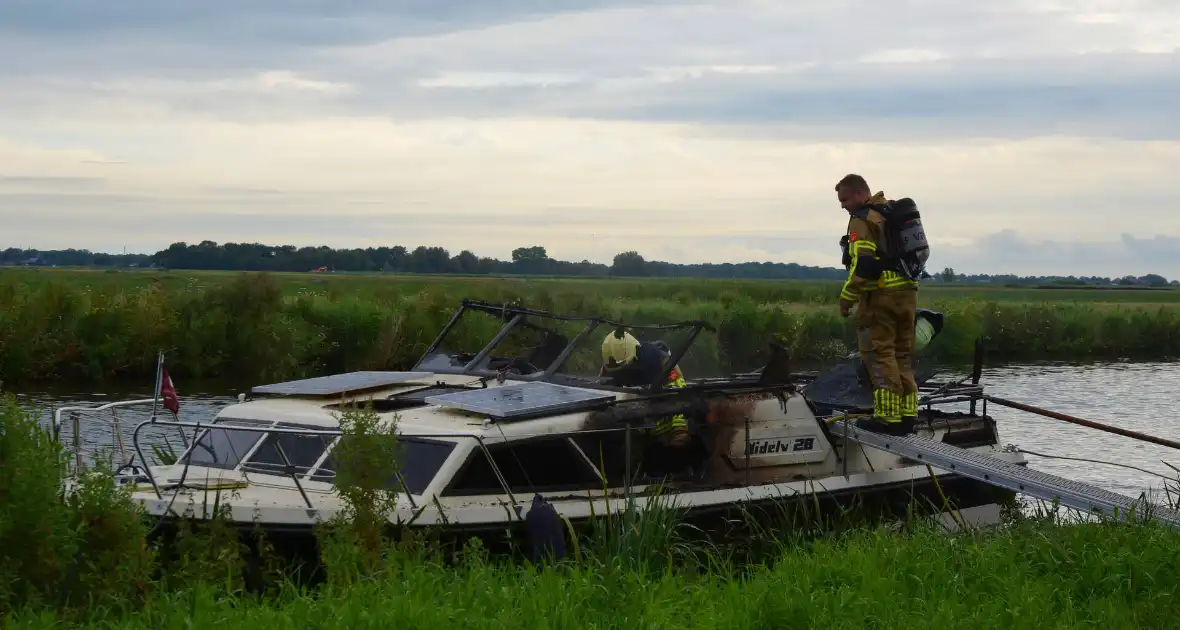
{"x": 886, "y": 306}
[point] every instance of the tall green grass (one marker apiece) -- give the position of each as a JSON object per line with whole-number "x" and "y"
{"x": 1099, "y": 576}
{"x": 82, "y": 558}
{"x": 87, "y": 325}
{"x": 61, "y": 549}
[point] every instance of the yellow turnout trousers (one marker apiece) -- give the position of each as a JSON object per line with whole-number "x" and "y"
{"x": 885, "y": 336}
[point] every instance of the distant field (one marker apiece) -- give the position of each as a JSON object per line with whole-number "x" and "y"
{"x": 822, "y": 292}
{"x": 1114, "y": 295}
{"x": 83, "y": 323}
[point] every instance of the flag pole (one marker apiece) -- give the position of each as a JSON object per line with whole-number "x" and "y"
{"x": 156, "y": 392}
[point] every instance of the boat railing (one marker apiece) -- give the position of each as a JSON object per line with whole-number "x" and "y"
{"x": 943, "y": 394}
{"x": 746, "y": 427}
{"x": 288, "y": 469}
{"x": 108, "y": 414}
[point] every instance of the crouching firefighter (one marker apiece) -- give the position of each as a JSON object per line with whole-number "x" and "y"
{"x": 630, "y": 362}
{"x": 885, "y": 251}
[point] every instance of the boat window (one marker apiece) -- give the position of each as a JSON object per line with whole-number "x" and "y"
{"x": 421, "y": 460}
{"x": 219, "y": 448}
{"x": 548, "y": 465}
{"x": 608, "y": 451}
{"x": 303, "y": 451}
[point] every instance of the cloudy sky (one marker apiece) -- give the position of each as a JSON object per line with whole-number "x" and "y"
{"x": 1038, "y": 136}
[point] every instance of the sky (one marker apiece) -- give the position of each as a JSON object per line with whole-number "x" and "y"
{"x": 1036, "y": 136}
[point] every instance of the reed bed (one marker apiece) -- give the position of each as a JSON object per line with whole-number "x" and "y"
{"x": 87, "y": 325}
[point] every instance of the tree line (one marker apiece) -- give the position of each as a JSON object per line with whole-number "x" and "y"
{"x": 530, "y": 260}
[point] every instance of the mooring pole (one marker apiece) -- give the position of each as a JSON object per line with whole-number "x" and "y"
{"x": 1083, "y": 422}
{"x": 976, "y": 368}
{"x": 77, "y": 442}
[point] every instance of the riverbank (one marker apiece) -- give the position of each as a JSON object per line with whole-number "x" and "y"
{"x": 86, "y": 325}
{"x": 1035, "y": 577}
{"x": 91, "y": 564}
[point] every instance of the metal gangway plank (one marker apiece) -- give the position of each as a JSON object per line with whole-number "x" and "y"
{"x": 976, "y": 465}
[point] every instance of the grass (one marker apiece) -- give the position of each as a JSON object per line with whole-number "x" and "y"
{"x": 1031, "y": 578}
{"x": 90, "y": 564}
{"x": 92, "y": 325}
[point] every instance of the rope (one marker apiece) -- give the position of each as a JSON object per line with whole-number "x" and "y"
{"x": 1096, "y": 461}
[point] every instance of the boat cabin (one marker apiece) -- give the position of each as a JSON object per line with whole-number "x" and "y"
{"x": 525, "y": 411}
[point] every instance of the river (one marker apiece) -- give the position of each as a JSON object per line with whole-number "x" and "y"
{"x": 1137, "y": 396}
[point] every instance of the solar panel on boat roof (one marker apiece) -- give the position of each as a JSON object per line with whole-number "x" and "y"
{"x": 338, "y": 383}
{"x": 511, "y": 401}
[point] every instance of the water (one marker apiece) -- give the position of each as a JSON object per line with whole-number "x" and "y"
{"x": 1137, "y": 396}
{"x": 199, "y": 402}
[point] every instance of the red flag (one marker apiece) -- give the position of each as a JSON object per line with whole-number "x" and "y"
{"x": 168, "y": 392}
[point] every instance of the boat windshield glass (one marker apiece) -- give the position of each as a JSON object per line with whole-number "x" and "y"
{"x": 461, "y": 342}
{"x": 420, "y": 461}
{"x": 221, "y": 448}
{"x": 302, "y": 451}
{"x": 534, "y": 344}
{"x": 537, "y": 342}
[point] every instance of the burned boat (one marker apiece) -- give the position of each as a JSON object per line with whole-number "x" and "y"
{"x": 509, "y": 404}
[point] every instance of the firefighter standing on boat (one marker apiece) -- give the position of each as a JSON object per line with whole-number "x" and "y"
{"x": 884, "y": 292}
{"x": 631, "y": 362}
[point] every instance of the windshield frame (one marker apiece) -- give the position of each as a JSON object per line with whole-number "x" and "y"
{"x": 434, "y": 360}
